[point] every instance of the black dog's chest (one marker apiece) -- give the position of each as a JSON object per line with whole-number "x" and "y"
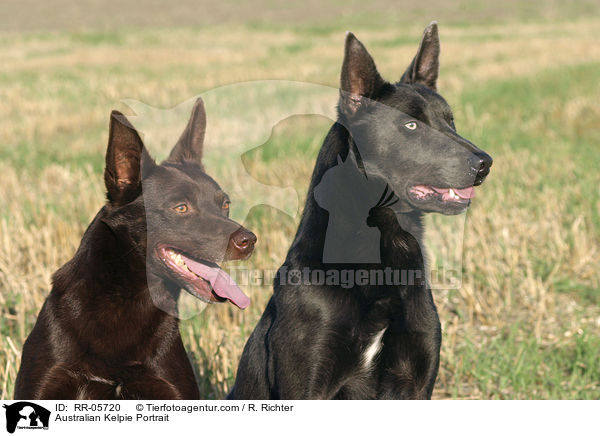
{"x": 376, "y": 346}
{"x": 370, "y": 350}
{"x": 360, "y": 378}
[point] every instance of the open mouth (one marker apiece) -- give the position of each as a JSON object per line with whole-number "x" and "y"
{"x": 460, "y": 196}
{"x": 202, "y": 279}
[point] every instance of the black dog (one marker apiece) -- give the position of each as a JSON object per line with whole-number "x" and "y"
{"x": 320, "y": 338}
{"x": 108, "y": 329}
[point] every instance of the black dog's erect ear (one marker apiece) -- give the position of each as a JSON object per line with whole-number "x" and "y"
{"x": 425, "y": 67}
{"x": 126, "y": 159}
{"x": 360, "y": 79}
{"x": 191, "y": 142}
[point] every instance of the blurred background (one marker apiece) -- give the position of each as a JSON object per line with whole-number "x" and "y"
{"x": 523, "y": 79}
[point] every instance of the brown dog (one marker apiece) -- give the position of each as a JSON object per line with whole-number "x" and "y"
{"x": 100, "y": 334}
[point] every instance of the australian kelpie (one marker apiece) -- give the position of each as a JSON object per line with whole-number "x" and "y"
{"x": 108, "y": 329}
{"x": 347, "y": 321}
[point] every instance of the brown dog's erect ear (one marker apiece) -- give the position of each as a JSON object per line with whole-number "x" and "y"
{"x": 126, "y": 160}
{"x": 425, "y": 67}
{"x": 191, "y": 142}
{"x": 360, "y": 79}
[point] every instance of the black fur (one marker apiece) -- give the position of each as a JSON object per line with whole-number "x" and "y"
{"x": 311, "y": 340}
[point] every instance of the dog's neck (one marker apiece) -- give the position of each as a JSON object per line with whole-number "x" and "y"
{"x": 109, "y": 268}
{"x": 411, "y": 222}
{"x": 104, "y": 289}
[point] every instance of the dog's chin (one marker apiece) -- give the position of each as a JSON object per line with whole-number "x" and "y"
{"x": 447, "y": 201}
{"x": 434, "y": 206}
{"x": 203, "y": 292}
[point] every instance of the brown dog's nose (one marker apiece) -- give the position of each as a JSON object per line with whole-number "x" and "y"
{"x": 241, "y": 243}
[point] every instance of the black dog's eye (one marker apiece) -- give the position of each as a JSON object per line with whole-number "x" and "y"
{"x": 181, "y": 208}
{"x": 225, "y": 205}
{"x": 411, "y": 125}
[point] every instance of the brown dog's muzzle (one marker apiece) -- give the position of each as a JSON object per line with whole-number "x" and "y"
{"x": 241, "y": 244}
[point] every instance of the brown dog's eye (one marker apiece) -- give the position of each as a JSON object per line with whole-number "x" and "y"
{"x": 181, "y": 208}
{"x": 225, "y": 205}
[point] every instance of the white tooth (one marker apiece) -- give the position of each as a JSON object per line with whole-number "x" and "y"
{"x": 177, "y": 259}
{"x": 452, "y": 194}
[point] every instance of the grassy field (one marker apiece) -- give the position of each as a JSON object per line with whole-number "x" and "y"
{"x": 526, "y": 321}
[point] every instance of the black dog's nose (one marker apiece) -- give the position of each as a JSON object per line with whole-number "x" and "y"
{"x": 242, "y": 243}
{"x": 481, "y": 166}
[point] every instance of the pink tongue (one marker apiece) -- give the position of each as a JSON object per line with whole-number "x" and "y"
{"x": 466, "y": 193}
{"x": 462, "y": 193}
{"x": 222, "y": 284}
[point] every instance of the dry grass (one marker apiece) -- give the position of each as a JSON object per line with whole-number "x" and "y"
{"x": 528, "y": 305}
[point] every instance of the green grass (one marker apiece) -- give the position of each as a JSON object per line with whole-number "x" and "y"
{"x": 517, "y": 368}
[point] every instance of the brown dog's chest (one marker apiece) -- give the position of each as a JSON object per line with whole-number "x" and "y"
{"x": 128, "y": 382}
